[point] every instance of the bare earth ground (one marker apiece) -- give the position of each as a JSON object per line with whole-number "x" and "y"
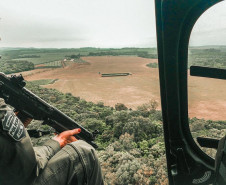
{"x": 206, "y": 96}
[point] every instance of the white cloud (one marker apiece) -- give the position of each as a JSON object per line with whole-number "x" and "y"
{"x": 210, "y": 29}
{"x": 77, "y": 23}
{"x": 95, "y": 23}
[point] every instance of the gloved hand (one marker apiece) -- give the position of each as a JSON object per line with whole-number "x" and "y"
{"x": 67, "y": 137}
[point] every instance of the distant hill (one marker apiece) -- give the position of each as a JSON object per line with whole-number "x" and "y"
{"x": 207, "y": 56}
{"x": 45, "y": 55}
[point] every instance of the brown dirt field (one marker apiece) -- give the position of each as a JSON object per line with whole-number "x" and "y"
{"x": 40, "y": 65}
{"x": 33, "y": 72}
{"x": 205, "y": 99}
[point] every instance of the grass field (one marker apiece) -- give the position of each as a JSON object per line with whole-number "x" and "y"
{"x": 206, "y": 96}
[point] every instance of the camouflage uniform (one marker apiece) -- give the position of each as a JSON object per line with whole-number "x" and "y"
{"x": 22, "y": 164}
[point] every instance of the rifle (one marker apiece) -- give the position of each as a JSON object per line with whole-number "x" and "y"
{"x": 13, "y": 91}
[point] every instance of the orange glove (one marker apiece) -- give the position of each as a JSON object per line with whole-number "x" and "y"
{"x": 67, "y": 137}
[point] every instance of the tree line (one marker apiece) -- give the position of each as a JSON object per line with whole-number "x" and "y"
{"x": 15, "y": 66}
{"x": 143, "y": 54}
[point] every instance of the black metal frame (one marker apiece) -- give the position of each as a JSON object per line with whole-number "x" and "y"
{"x": 186, "y": 162}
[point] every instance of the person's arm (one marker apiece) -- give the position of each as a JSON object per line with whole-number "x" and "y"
{"x": 44, "y": 153}
{"x": 19, "y": 160}
{"x": 51, "y": 147}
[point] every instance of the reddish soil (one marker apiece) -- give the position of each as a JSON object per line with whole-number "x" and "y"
{"x": 206, "y": 96}
{"x": 40, "y": 65}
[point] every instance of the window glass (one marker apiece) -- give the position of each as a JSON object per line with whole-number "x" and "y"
{"x": 207, "y": 100}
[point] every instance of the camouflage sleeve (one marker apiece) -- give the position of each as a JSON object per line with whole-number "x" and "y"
{"x": 20, "y": 158}
{"x": 45, "y": 153}
{"x": 18, "y": 162}
{"x": 3, "y": 108}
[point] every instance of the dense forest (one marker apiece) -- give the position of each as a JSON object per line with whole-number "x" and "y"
{"x": 143, "y": 54}
{"x": 208, "y": 57}
{"x": 131, "y": 146}
{"x": 14, "y": 66}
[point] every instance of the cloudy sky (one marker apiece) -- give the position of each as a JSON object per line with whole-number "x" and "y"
{"x": 94, "y": 23}
{"x": 210, "y": 29}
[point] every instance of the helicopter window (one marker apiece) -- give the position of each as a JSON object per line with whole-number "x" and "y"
{"x": 206, "y": 84}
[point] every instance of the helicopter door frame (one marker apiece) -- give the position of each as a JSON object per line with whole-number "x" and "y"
{"x": 186, "y": 162}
